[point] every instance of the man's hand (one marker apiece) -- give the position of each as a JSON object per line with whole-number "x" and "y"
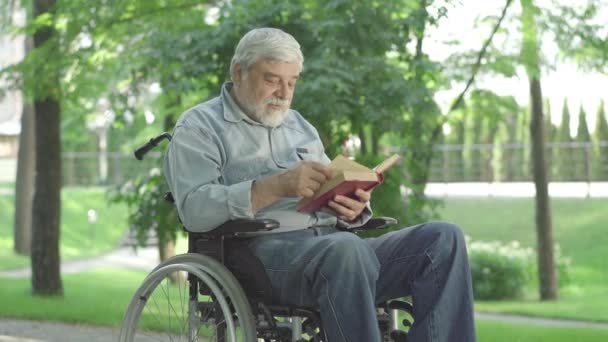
{"x": 303, "y": 180}
{"x": 349, "y": 209}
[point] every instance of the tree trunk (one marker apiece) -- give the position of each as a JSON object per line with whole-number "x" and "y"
{"x": 546, "y": 265}
{"x": 24, "y": 184}
{"x": 544, "y": 230}
{"x": 46, "y": 277}
{"x": 166, "y": 249}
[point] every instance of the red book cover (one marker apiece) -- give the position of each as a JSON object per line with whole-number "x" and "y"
{"x": 346, "y": 188}
{"x": 348, "y": 177}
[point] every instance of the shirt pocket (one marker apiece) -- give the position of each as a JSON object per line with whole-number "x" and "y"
{"x": 310, "y": 152}
{"x": 245, "y": 170}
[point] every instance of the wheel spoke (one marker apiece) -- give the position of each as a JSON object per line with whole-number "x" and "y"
{"x": 211, "y": 315}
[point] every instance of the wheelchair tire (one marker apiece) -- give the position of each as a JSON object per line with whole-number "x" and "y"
{"x": 209, "y": 306}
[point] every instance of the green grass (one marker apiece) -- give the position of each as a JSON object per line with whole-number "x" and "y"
{"x": 491, "y": 331}
{"x": 100, "y": 297}
{"x": 79, "y": 238}
{"x": 579, "y": 227}
{"x": 97, "y": 297}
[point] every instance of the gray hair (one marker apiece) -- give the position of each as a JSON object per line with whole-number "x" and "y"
{"x": 266, "y": 43}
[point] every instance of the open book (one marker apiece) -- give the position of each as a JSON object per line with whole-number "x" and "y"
{"x": 348, "y": 176}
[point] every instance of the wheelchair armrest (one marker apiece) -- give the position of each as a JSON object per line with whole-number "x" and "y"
{"x": 376, "y": 223}
{"x": 234, "y": 227}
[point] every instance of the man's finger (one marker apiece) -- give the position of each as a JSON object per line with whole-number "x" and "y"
{"x": 364, "y": 196}
{"x": 349, "y": 202}
{"x": 326, "y": 171}
{"x": 317, "y": 176}
{"x": 342, "y": 210}
{"x": 306, "y": 192}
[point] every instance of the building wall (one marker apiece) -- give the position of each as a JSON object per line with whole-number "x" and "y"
{"x": 12, "y": 49}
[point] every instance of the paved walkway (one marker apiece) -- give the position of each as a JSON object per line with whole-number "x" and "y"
{"x": 12, "y": 330}
{"x": 33, "y": 331}
{"x": 125, "y": 257}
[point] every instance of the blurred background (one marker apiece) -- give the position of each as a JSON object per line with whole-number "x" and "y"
{"x": 497, "y": 107}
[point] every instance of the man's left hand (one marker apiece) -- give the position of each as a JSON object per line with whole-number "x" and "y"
{"x": 349, "y": 209}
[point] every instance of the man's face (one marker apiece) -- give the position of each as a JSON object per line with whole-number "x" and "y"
{"x": 266, "y": 89}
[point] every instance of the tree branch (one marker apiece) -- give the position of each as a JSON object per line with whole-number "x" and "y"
{"x": 476, "y": 68}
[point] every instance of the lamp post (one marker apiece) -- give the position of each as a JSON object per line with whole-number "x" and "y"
{"x": 92, "y": 218}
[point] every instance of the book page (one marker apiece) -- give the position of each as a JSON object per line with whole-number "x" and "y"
{"x": 343, "y": 163}
{"x": 388, "y": 162}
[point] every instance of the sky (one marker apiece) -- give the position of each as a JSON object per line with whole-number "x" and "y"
{"x": 586, "y": 88}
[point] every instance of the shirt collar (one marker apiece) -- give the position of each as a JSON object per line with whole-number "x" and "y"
{"x": 233, "y": 113}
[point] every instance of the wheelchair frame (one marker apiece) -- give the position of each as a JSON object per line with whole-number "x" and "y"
{"x": 241, "y": 295}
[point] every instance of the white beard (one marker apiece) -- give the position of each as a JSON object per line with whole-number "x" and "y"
{"x": 269, "y": 118}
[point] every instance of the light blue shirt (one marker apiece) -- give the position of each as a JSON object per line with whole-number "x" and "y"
{"x": 217, "y": 152}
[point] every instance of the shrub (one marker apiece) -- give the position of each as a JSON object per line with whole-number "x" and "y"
{"x": 499, "y": 271}
{"x": 503, "y": 271}
{"x": 149, "y": 213}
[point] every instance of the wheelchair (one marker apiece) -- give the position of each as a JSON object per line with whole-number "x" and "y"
{"x": 218, "y": 291}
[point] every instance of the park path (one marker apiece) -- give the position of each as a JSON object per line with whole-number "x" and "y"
{"x": 125, "y": 257}
{"x": 12, "y": 330}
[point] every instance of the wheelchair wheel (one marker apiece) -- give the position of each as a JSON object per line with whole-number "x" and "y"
{"x": 207, "y": 305}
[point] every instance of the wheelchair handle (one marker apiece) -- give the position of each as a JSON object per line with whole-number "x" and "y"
{"x": 141, "y": 151}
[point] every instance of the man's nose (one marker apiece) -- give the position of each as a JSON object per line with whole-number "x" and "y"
{"x": 283, "y": 91}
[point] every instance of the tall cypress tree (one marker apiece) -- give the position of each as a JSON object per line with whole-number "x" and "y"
{"x": 549, "y": 138}
{"x": 522, "y": 155}
{"x": 564, "y": 152}
{"x": 455, "y": 156}
{"x": 508, "y": 153}
{"x": 474, "y": 126}
{"x": 582, "y": 155}
{"x": 600, "y": 141}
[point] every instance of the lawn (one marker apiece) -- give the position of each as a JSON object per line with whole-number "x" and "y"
{"x": 580, "y": 230}
{"x": 79, "y": 238}
{"x": 87, "y": 302}
{"x": 100, "y": 296}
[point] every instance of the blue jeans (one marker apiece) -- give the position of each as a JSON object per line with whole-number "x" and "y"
{"x": 346, "y": 276}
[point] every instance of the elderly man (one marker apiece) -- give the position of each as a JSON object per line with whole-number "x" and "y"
{"x": 246, "y": 154}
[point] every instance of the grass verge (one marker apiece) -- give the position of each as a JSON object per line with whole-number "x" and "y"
{"x": 79, "y": 238}
{"x": 579, "y": 227}
{"x": 100, "y": 297}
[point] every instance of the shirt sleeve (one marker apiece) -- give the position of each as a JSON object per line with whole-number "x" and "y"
{"x": 193, "y": 169}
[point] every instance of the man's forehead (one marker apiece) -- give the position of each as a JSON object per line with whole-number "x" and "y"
{"x": 283, "y": 69}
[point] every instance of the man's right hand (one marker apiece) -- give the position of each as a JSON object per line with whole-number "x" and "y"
{"x": 303, "y": 180}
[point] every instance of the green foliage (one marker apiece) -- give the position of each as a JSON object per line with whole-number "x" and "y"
{"x": 530, "y": 54}
{"x": 600, "y": 141}
{"x": 499, "y": 271}
{"x": 457, "y": 136}
{"x": 486, "y": 113}
{"x": 582, "y": 132}
{"x": 149, "y": 213}
{"x": 550, "y": 129}
{"x": 581, "y": 166}
{"x": 565, "y": 156}
{"x": 600, "y": 132}
{"x": 575, "y": 28}
{"x": 504, "y": 271}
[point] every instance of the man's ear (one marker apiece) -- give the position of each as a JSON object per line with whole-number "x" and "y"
{"x": 235, "y": 74}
